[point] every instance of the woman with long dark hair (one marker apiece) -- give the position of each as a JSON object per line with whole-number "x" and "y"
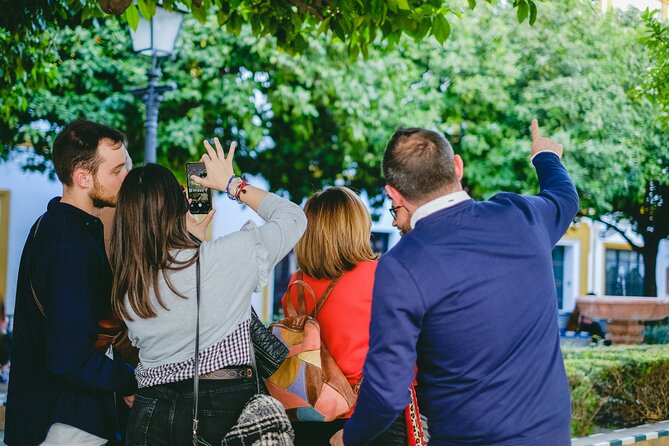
{"x": 154, "y": 258}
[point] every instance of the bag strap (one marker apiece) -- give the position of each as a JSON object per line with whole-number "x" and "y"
{"x": 253, "y": 358}
{"x": 301, "y": 301}
{"x": 196, "y": 366}
{"x": 325, "y": 296}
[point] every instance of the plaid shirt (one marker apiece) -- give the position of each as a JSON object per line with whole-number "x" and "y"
{"x": 232, "y": 351}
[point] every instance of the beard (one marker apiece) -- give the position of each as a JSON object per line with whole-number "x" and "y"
{"x": 99, "y": 198}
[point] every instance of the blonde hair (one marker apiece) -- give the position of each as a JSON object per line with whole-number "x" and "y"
{"x": 338, "y": 234}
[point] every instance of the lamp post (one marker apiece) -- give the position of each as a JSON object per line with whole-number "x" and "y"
{"x": 155, "y": 38}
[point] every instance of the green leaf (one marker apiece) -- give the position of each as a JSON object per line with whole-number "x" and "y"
{"x": 299, "y": 43}
{"x": 403, "y": 4}
{"x": 338, "y": 30}
{"x": 472, "y": 4}
{"x": 440, "y": 28}
{"x": 422, "y": 29}
{"x": 376, "y": 8}
{"x": 144, "y": 9}
{"x": 533, "y": 12}
{"x": 323, "y": 28}
{"x": 221, "y": 18}
{"x": 200, "y": 14}
{"x": 152, "y": 7}
{"x": 236, "y": 22}
{"x": 522, "y": 11}
{"x": 132, "y": 17}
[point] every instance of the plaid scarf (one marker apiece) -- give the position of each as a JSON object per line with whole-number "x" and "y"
{"x": 263, "y": 422}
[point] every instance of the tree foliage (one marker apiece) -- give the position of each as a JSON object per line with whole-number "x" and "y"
{"x": 29, "y": 59}
{"x": 318, "y": 118}
{"x": 656, "y": 82}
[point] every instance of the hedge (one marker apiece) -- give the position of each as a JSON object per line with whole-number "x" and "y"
{"x": 617, "y": 386}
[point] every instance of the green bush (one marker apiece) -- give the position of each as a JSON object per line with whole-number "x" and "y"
{"x": 617, "y": 386}
{"x": 656, "y": 334}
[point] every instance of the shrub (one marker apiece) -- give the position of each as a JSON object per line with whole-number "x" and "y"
{"x": 618, "y": 386}
{"x": 656, "y": 334}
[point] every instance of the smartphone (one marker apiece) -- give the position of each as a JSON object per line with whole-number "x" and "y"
{"x": 200, "y": 196}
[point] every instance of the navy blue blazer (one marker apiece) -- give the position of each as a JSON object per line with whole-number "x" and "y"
{"x": 57, "y": 376}
{"x": 469, "y": 296}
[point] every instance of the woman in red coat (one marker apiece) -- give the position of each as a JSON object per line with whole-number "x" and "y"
{"x": 337, "y": 244}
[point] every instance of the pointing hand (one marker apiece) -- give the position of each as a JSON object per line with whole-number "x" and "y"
{"x": 543, "y": 144}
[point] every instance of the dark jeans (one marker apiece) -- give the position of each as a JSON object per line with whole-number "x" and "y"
{"x": 318, "y": 434}
{"x": 163, "y": 414}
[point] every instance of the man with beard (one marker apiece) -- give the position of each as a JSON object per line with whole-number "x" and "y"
{"x": 61, "y": 390}
{"x": 468, "y": 295}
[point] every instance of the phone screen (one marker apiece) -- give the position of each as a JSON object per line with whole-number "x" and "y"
{"x": 200, "y": 196}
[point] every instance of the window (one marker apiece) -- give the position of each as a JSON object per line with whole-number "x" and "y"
{"x": 558, "y": 272}
{"x": 624, "y": 273}
{"x": 380, "y": 242}
{"x": 282, "y": 273}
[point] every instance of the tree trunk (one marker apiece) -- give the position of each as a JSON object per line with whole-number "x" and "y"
{"x": 649, "y": 252}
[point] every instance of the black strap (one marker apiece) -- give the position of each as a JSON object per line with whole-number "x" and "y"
{"x": 196, "y": 366}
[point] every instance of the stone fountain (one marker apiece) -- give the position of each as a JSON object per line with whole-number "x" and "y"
{"x": 624, "y": 313}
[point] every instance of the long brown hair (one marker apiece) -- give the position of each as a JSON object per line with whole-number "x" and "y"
{"x": 149, "y": 226}
{"x": 338, "y": 233}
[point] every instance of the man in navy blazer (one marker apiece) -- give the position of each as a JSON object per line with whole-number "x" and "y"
{"x": 468, "y": 295}
{"x": 61, "y": 389}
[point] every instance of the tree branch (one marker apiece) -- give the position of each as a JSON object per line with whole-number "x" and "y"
{"x": 308, "y": 8}
{"x": 634, "y": 246}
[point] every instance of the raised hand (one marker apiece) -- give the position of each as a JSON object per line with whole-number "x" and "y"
{"x": 198, "y": 228}
{"x": 543, "y": 144}
{"x": 219, "y": 168}
{"x": 338, "y": 438}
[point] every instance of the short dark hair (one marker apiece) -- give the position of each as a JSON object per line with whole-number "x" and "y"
{"x": 77, "y": 146}
{"x": 419, "y": 163}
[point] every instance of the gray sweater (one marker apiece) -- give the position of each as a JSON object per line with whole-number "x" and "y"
{"x": 232, "y": 268}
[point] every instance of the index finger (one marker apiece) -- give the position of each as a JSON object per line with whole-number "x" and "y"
{"x": 536, "y": 134}
{"x": 210, "y": 150}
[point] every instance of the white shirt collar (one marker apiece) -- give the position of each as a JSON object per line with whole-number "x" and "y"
{"x": 438, "y": 204}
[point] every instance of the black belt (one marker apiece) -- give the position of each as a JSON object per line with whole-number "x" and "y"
{"x": 230, "y": 373}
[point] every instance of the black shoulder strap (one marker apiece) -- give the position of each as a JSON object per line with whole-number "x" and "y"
{"x": 196, "y": 365}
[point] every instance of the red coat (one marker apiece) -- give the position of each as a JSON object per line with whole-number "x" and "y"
{"x": 345, "y": 317}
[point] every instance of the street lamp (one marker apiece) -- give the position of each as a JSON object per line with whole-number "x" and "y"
{"x": 155, "y": 38}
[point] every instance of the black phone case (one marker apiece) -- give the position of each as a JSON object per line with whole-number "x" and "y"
{"x": 200, "y": 201}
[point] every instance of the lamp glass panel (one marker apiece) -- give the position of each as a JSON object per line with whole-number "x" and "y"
{"x": 165, "y": 29}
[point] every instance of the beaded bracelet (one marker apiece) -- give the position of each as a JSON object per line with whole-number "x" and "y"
{"x": 227, "y": 188}
{"x": 239, "y": 190}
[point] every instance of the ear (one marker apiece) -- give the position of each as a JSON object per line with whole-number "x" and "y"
{"x": 395, "y": 195}
{"x": 82, "y": 178}
{"x": 459, "y": 166}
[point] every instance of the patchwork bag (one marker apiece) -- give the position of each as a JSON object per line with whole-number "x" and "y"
{"x": 309, "y": 383}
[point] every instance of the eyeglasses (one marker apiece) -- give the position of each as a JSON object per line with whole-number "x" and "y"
{"x": 393, "y": 211}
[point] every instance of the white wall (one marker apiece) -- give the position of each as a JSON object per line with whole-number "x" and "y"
{"x": 30, "y": 193}
{"x": 663, "y": 269}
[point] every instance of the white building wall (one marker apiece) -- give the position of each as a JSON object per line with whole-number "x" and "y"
{"x": 663, "y": 270}
{"x": 30, "y": 193}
